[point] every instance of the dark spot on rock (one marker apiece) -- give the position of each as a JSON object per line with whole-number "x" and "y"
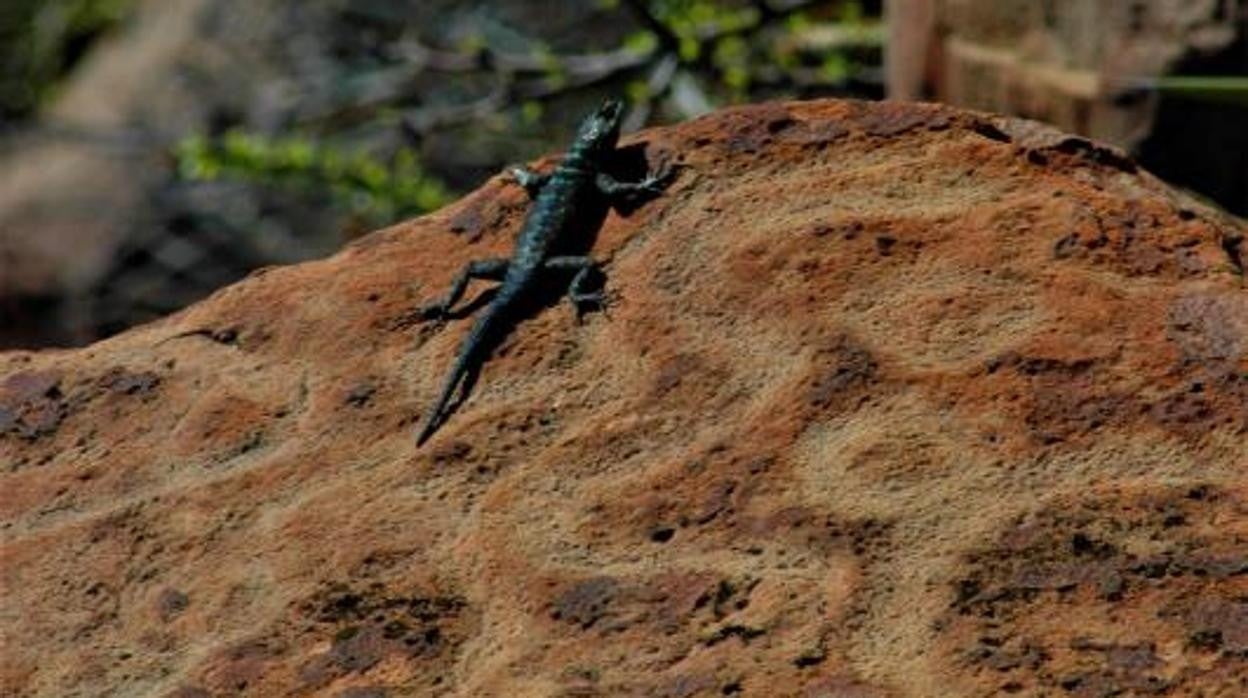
{"x": 358, "y": 650}
{"x": 716, "y": 501}
{"x": 843, "y": 366}
{"x": 585, "y": 602}
{"x": 1100, "y": 154}
{"x": 991, "y": 132}
{"x": 1207, "y": 640}
{"x": 394, "y": 630}
{"x": 1064, "y": 407}
{"x": 1174, "y": 520}
{"x": 662, "y": 535}
{"x": 453, "y": 452}
{"x": 887, "y": 119}
{"x": 21, "y": 387}
{"x": 346, "y": 633}
{"x": 724, "y": 591}
{"x": 428, "y": 610}
{"x": 425, "y": 641}
{"x": 244, "y": 664}
{"x": 1152, "y": 569}
{"x": 1223, "y": 620}
{"x": 758, "y": 465}
{"x": 744, "y": 632}
{"x": 884, "y": 244}
{"x": 126, "y": 382}
{"x": 1034, "y": 366}
{"x": 1232, "y": 244}
{"x": 1183, "y": 412}
{"x": 31, "y": 404}
{"x": 470, "y": 219}
{"x": 816, "y": 133}
{"x": 341, "y": 606}
{"x": 820, "y": 230}
{"x": 813, "y": 657}
{"x": 1205, "y": 326}
{"x": 675, "y": 370}
{"x": 171, "y": 603}
{"x": 227, "y": 336}
{"x": 749, "y": 135}
{"x": 360, "y": 394}
{"x": 1131, "y": 657}
{"x": 250, "y": 442}
{"x": 318, "y": 671}
{"x": 1112, "y": 586}
{"x": 779, "y": 124}
{"x": 1083, "y": 546}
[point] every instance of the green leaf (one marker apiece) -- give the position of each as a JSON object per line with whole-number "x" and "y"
{"x": 642, "y": 43}
{"x": 835, "y": 68}
{"x": 531, "y": 111}
{"x": 377, "y": 190}
{"x": 638, "y": 91}
{"x": 690, "y": 49}
{"x": 851, "y": 12}
{"x": 1229, "y": 89}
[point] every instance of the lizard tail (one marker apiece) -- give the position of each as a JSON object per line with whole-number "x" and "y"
{"x": 434, "y": 420}
{"x": 472, "y": 352}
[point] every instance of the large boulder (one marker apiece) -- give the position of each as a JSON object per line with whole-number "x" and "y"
{"x": 893, "y": 400}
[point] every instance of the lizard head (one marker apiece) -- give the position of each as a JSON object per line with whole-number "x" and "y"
{"x": 601, "y": 129}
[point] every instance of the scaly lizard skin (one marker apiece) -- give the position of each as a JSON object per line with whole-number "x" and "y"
{"x": 557, "y": 218}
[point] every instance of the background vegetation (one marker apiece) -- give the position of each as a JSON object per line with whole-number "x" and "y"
{"x": 277, "y": 129}
{"x": 271, "y": 131}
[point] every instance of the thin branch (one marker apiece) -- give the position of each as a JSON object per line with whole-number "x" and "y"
{"x": 657, "y": 86}
{"x": 558, "y": 74}
{"x": 417, "y": 123}
{"x": 641, "y": 11}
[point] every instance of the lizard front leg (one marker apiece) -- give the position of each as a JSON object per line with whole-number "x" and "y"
{"x": 491, "y": 269}
{"x": 652, "y": 185}
{"x": 577, "y": 292}
{"x": 530, "y": 180}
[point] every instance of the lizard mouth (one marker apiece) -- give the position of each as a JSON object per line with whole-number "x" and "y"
{"x": 611, "y": 109}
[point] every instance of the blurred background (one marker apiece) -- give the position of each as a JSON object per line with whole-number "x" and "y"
{"x": 152, "y": 151}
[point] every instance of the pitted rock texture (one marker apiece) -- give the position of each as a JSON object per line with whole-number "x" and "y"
{"x": 893, "y": 400}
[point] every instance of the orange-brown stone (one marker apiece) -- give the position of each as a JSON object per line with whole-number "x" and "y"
{"x": 894, "y": 400}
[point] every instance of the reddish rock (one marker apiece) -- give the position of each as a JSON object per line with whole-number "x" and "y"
{"x": 894, "y": 401}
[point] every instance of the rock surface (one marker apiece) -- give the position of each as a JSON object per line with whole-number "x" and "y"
{"x": 894, "y": 401}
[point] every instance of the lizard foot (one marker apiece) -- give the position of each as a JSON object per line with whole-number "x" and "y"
{"x": 658, "y": 180}
{"x": 530, "y": 180}
{"x": 433, "y": 311}
{"x": 597, "y": 301}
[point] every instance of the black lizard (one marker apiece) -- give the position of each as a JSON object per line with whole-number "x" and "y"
{"x": 552, "y": 238}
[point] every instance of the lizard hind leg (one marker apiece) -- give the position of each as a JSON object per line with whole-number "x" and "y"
{"x": 492, "y": 269}
{"x": 579, "y": 290}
